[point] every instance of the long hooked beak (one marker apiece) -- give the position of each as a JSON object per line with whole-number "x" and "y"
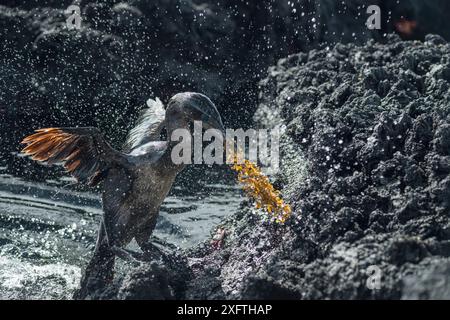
{"x": 213, "y": 123}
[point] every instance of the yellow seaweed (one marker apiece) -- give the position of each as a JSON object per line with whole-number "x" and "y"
{"x": 258, "y": 187}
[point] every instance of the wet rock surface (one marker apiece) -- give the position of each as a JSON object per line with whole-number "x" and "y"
{"x": 366, "y": 163}
{"x": 154, "y": 275}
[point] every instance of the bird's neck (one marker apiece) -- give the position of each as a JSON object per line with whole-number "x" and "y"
{"x": 167, "y": 158}
{"x": 168, "y": 162}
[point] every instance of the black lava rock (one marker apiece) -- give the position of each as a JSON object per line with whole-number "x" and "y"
{"x": 365, "y": 166}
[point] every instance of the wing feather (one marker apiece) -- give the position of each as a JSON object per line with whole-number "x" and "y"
{"x": 82, "y": 151}
{"x": 148, "y": 127}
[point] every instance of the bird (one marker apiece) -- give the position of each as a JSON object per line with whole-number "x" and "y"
{"x": 136, "y": 179}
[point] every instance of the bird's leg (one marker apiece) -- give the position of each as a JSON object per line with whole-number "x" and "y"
{"x": 100, "y": 269}
{"x": 142, "y": 239}
{"x": 122, "y": 253}
{"x": 149, "y": 247}
{"x": 163, "y": 243}
{"x": 127, "y": 255}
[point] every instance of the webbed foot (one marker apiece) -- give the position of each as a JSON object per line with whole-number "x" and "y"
{"x": 127, "y": 255}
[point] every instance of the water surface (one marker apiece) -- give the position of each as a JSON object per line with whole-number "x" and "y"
{"x": 48, "y": 228}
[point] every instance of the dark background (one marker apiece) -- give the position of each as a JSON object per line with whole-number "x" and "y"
{"x": 129, "y": 51}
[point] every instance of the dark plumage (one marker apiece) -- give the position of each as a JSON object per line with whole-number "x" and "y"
{"x": 136, "y": 181}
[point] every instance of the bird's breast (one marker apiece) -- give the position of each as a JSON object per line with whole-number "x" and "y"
{"x": 151, "y": 186}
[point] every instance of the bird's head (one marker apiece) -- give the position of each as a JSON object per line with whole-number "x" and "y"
{"x": 187, "y": 107}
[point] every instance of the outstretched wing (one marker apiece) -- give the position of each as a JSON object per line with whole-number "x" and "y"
{"x": 83, "y": 152}
{"x": 148, "y": 127}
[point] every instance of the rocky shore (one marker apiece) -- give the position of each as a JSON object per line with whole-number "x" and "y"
{"x": 365, "y": 151}
{"x": 365, "y": 166}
